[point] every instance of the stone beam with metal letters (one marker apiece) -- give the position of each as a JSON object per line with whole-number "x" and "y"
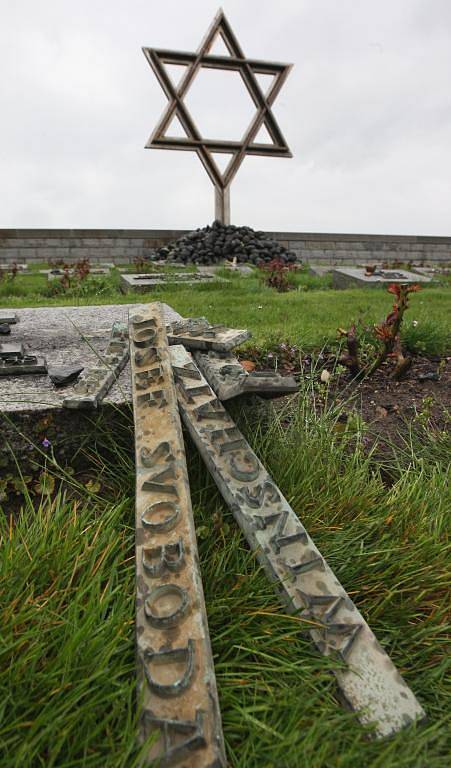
{"x": 175, "y": 665}
{"x": 228, "y": 378}
{"x": 95, "y": 382}
{"x": 198, "y": 333}
{"x": 368, "y": 680}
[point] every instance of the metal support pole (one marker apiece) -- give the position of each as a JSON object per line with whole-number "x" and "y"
{"x": 222, "y": 204}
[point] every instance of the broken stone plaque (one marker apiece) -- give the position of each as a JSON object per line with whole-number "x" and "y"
{"x": 175, "y": 666}
{"x": 368, "y": 679}
{"x": 348, "y": 277}
{"x": 198, "y": 333}
{"x": 95, "y": 382}
{"x": 228, "y": 378}
{"x": 19, "y": 364}
{"x": 151, "y": 280}
{"x": 6, "y": 316}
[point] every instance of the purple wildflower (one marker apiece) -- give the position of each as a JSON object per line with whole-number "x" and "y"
{"x": 46, "y": 443}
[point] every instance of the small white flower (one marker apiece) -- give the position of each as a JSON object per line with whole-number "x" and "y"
{"x": 414, "y": 323}
{"x": 260, "y": 306}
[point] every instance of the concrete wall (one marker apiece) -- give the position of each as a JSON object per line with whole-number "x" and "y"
{"x": 124, "y": 245}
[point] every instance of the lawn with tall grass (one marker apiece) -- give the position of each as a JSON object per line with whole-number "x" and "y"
{"x": 67, "y": 672}
{"x": 307, "y": 316}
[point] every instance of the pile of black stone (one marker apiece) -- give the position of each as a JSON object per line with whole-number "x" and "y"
{"x": 220, "y": 242}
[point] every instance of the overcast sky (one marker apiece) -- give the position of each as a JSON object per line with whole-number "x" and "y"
{"x": 366, "y": 112}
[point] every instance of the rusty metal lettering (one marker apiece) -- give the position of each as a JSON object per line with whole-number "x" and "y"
{"x": 227, "y": 439}
{"x": 152, "y": 399}
{"x": 166, "y": 605}
{"x": 145, "y": 356}
{"x": 181, "y": 738}
{"x": 257, "y": 497}
{"x": 161, "y": 516}
{"x": 175, "y": 666}
{"x": 164, "y": 558}
{"x": 172, "y": 656}
{"x": 144, "y": 379}
{"x": 245, "y": 467}
{"x": 150, "y": 458}
{"x": 369, "y": 680}
{"x": 280, "y": 538}
{"x": 211, "y": 410}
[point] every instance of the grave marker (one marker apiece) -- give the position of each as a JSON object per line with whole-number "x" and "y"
{"x": 175, "y": 665}
{"x": 347, "y": 277}
{"x": 149, "y": 281}
{"x": 369, "y": 680}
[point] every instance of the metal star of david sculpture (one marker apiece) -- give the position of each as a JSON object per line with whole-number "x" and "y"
{"x": 248, "y": 69}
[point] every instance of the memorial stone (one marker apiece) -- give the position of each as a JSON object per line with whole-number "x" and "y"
{"x": 368, "y": 679}
{"x": 150, "y": 281}
{"x": 228, "y": 378}
{"x": 348, "y": 277}
{"x": 175, "y": 666}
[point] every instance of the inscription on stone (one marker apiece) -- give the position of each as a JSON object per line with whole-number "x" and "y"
{"x": 15, "y": 360}
{"x": 369, "y": 680}
{"x": 175, "y": 665}
{"x": 228, "y": 378}
{"x": 95, "y": 382}
{"x": 198, "y": 333}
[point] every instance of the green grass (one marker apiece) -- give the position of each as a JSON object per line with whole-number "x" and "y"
{"x": 67, "y": 677}
{"x": 308, "y": 316}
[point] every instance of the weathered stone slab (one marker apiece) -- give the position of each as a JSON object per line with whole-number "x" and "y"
{"x": 64, "y": 335}
{"x": 175, "y": 665}
{"x": 347, "y": 277}
{"x": 368, "y": 680}
{"x": 198, "y": 333}
{"x": 151, "y": 280}
{"x": 97, "y": 380}
{"x": 228, "y": 378}
{"x": 6, "y": 316}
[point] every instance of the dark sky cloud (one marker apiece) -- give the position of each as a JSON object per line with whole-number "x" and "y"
{"x": 366, "y": 112}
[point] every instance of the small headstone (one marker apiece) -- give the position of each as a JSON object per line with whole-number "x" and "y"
{"x": 368, "y": 679}
{"x": 348, "y": 277}
{"x": 198, "y": 333}
{"x": 63, "y": 375}
{"x": 228, "y": 378}
{"x": 175, "y": 665}
{"x": 149, "y": 281}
